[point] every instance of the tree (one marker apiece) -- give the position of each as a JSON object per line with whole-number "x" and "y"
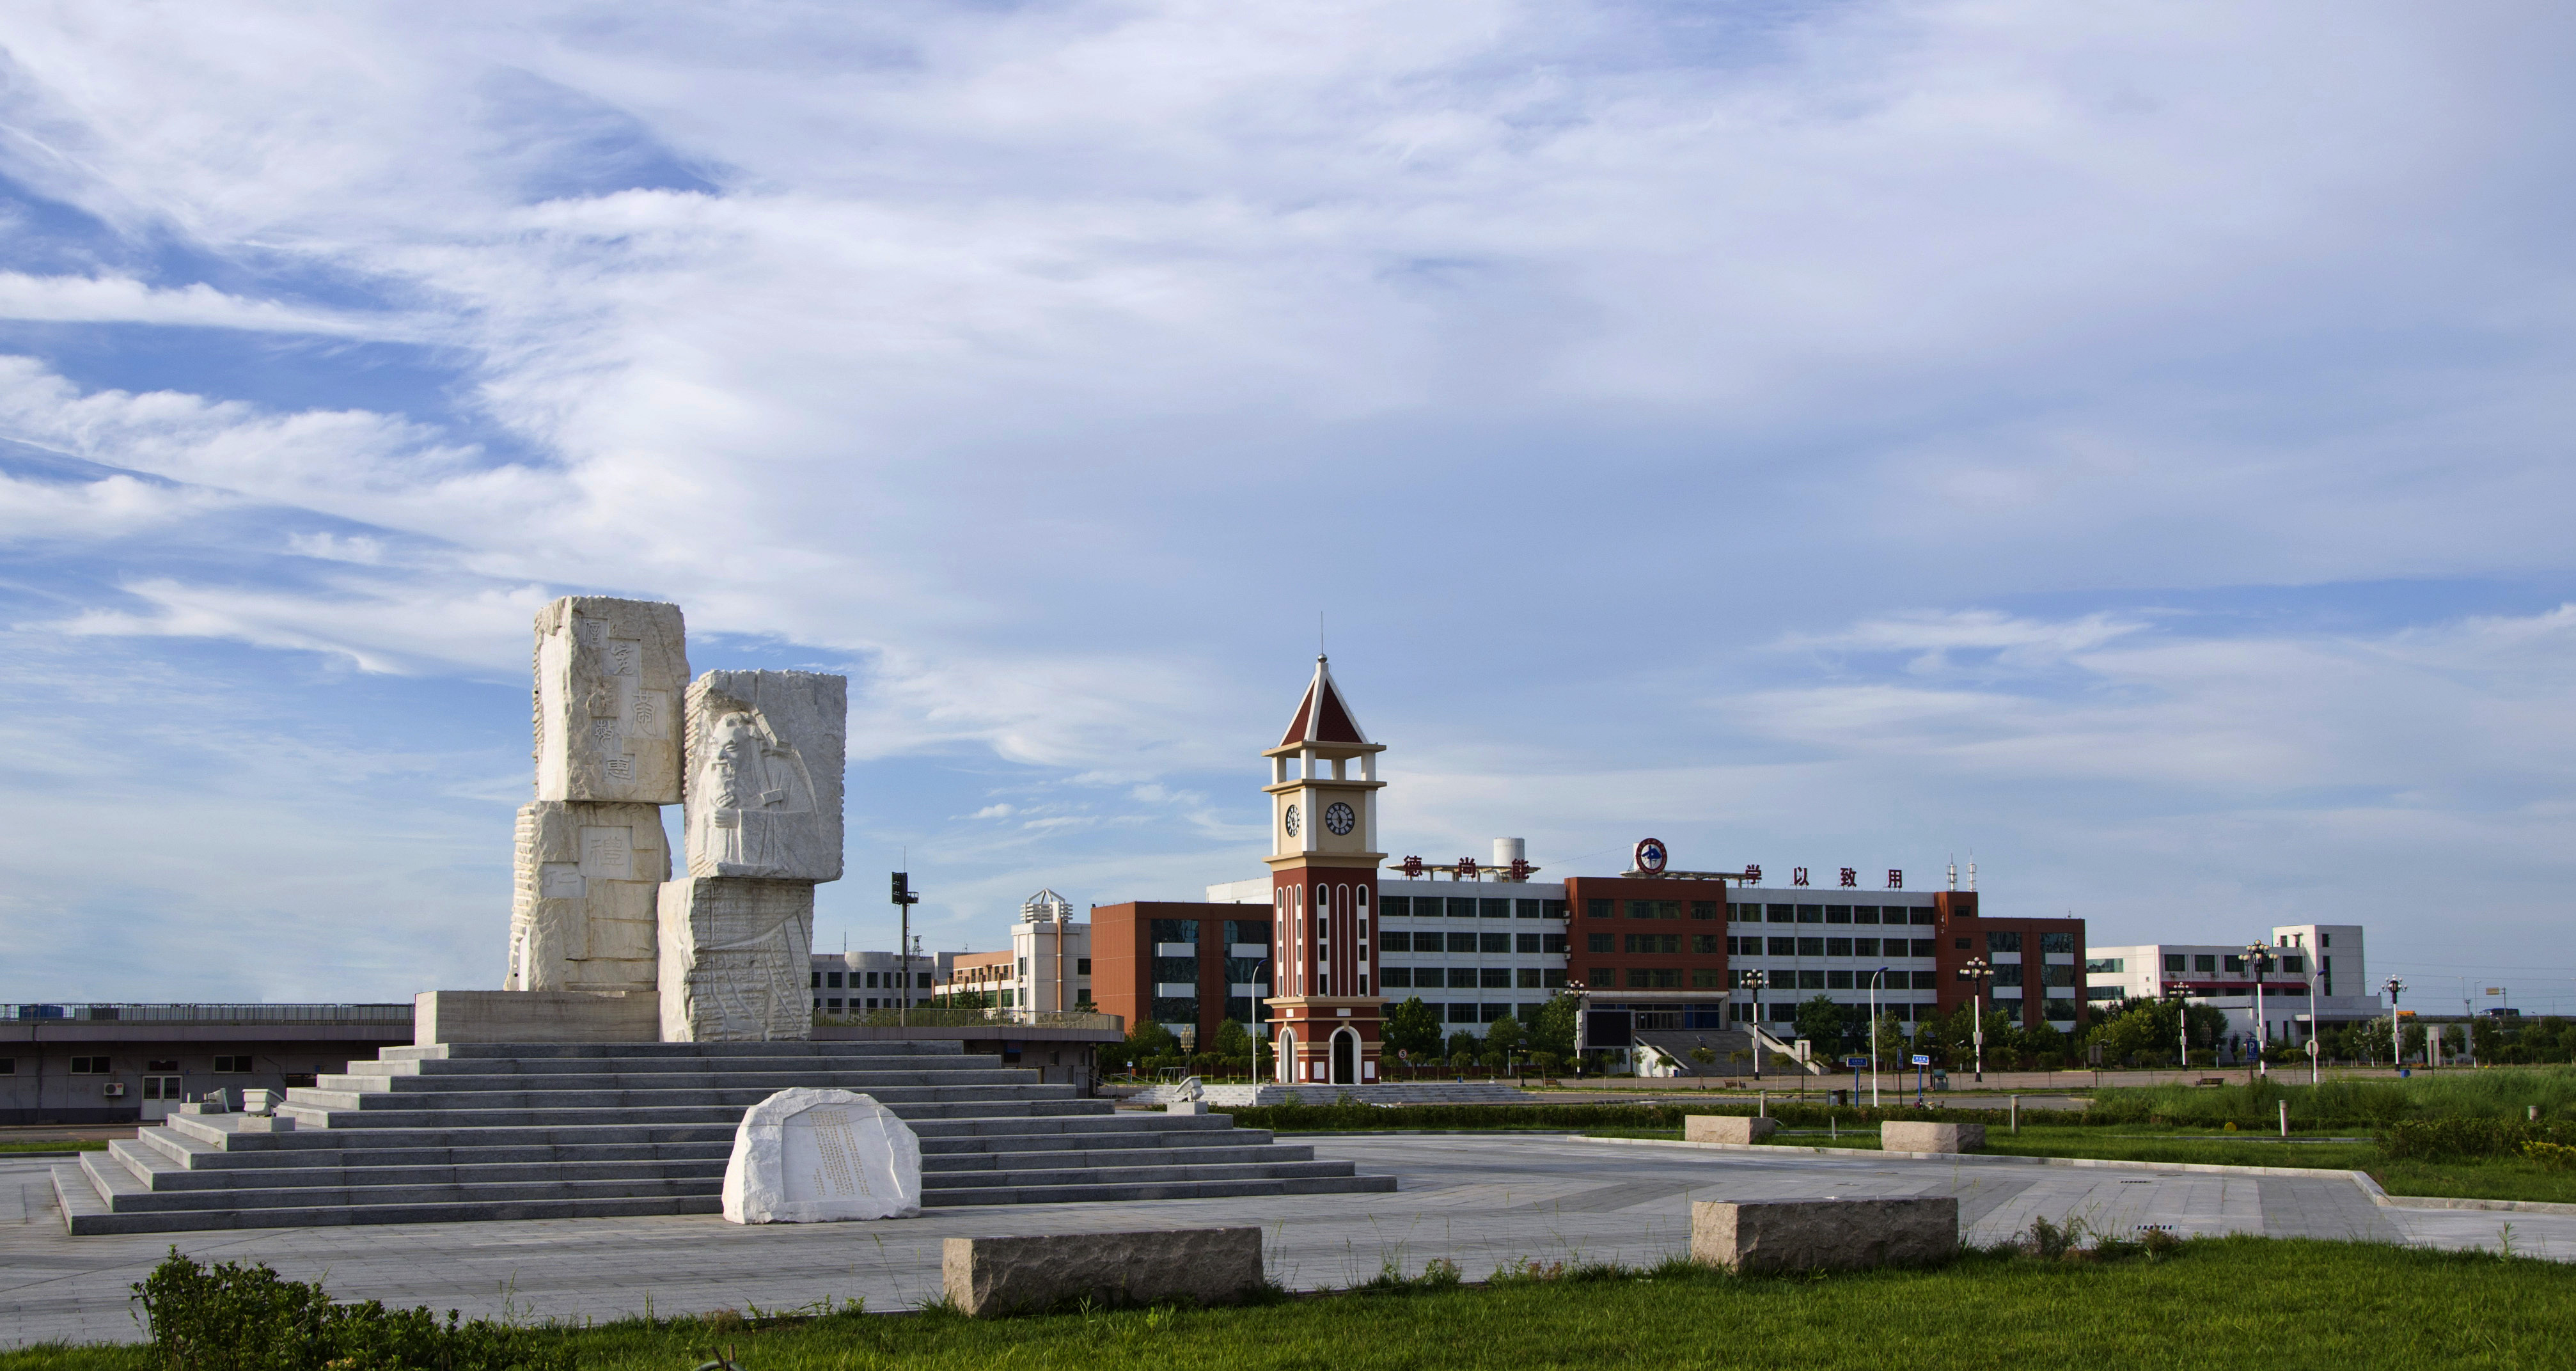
{"x": 1504, "y": 1036}
{"x": 1820, "y": 1021}
{"x": 1891, "y": 1040}
{"x": 1232, "y": 1040}
{"x": 1413, "y": 1028}
{"x": 1552, "y": 1028}
{"x": 1463, "y": 1046}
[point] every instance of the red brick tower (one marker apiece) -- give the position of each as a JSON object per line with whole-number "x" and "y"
{"x": 1323, "y": 892}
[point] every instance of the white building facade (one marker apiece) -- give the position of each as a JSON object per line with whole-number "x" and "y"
{"x": 2318, "y": 974}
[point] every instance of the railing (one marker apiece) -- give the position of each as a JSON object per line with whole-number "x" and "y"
{"x": 205, "y": 1013}
{"x": 934, "y": 1016}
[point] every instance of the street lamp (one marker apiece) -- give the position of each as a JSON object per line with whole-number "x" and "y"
{"x": 2396, "y": 1048}
{"x": 1874, "y": 978}
{"x": 2180, "y": 999}
{"x": 1754, "y": 981}
{"x": 1977, "y": 972}
{"x": 2258, "y": 959}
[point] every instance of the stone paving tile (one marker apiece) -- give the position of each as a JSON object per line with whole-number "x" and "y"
{"x": 1484, "y": 1202}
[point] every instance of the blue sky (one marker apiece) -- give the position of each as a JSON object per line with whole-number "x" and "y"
{"x": 2125, "y": 444}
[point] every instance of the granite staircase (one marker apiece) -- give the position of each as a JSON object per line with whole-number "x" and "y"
{"x": 462, "y": 1132}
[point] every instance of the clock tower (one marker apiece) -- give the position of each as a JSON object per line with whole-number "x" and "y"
{"x": 1323, "y": 892}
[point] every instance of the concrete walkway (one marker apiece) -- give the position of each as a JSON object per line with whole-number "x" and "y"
{"x": 1481, "y": 1200}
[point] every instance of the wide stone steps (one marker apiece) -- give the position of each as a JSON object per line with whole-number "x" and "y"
{"x": 448, "y": 1134}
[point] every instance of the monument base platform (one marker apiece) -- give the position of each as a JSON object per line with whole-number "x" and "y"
{"x": 536, "y": 1016}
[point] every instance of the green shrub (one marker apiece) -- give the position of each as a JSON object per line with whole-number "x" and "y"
{"x": 237, "y": 1317}
{"x": 2551, "y": 1156}
{"x": 2449, "y": 1139}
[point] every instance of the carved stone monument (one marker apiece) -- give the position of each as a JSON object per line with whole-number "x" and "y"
{"x": 814, "y": 1156}
{"x": 583, "y": 915}
{"x": 735, "y": 957}
{"x": 609, "y": 678}
{"x": 763, "y": 825}
{"x": 764, "y": 757}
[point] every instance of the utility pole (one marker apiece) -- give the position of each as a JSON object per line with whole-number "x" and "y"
{"x": 1753, "y": 981}
{"x": 2258, "y": 957}
{"x": 904, "y": 899}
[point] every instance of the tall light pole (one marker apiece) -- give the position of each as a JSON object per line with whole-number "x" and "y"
{"x": 2258, "y": 956}
{"x": 2397, "y": 1046}
{"x": 2180, "y": 999}
{"x": 904, "y": 899}
{"x": 1754, "y": 981}
{"x": 1977, "y": 972}
{"x": 1875, "y": 978}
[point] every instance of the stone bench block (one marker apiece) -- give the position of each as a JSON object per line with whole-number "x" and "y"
{"x": 1722, "y": 1128}
{"x": 1932, "y": 1137}
{"x": 1809, "y": 1235}
{"x": 986, "y": 1276}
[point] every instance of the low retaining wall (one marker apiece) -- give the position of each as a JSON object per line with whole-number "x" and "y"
{"x": 1811, "y": 1235}
{"x": 988, "y": 1276}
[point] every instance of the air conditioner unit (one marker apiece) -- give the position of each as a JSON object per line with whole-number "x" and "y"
{"x": 114, "y": 1090}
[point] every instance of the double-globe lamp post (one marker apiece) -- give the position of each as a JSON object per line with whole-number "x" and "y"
{"x": 1977, "y": 972}
{"x": 2258, "y": 959}
{"x": 1754, "y": 981}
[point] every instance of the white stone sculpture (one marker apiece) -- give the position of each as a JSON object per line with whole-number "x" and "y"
{"x": 764, "y": 766}
{"x": 735, "y": 957}
{"x": 610, "y": 674}
{"x": 815, "y": 1156}
{"x": 583, "y": 916}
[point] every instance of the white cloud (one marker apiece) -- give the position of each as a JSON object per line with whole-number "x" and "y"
{"x": 121, "y": 299}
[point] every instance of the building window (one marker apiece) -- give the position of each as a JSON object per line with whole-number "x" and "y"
{"x": 1597, "y": 942}
{"x": 2008, "y": 974}
{"x": 1392, "y": 940}
{"x": 1493, "y": 942}
{"x": 1811, "y": 947}
{"x": 1551, "y": 978}
{"x": 1811, "y": 913}
{"x": 1838, "y": 947}
{"x": 2057, "y": 973}
{"x": 1082, "y": 966}
{"x": 1838, "y": 980}
{"x": 1462, "y": 942}
{"x": 1395, "y": 977}
{"x": 232, "y": 1066}
{"x": 1463, "y": 1013}
{"x": 1927, "y": 980}
{"x": 1388, "y": 906}
{"x": 2104, "y": 992}
{"x": 1493, "y": 909}
{"x": 1744, "y": 913}
{"x": 1175, "y": 970}
{"x": 1009, "y": 998}
{"x": 1866, "y": 947}
{"x": 1704, "y": 944}
{"x": 2108, "y": 966}
{"x": 872, "y": 981}
{"x": 1923, "y": 948}
{"x": 1462, "y": 978}
{"x": 832, "y": 980}
{"x": 89, "y": 1066}
{"x": 2061, "y": 943}
{"x": 1603, "y": 978}
{"x": 1552, "y": 942}
{"x": 1241, "y": 931}
{"x": 818, "y": 981}
{"x": 1811, "y": 980}
{"x": 1654, "y": 909}
{"x": 1524, "y": 909}
{"x": 832, "y": 1006}
{"x": 1837, "y": 913}
{"x": 1959, "y": 943}
{"x": 2295, "y": 966}
{"x": 8, "y": 1066}
{"x": 1784, "y": 947}
{"x": 1703, "y": 909}
{"x": 1494, "y": 978}
{"x": 1526, "y": 978}
{"x": 1525, "y": 942}
{"x": 2205, "y": 962}
{"x": 1461, "y": 909}
{"x": 1551, "y": 909}
{"x": 1653, "y": 943}
{"x": 2003, "y": 942}
{"x": 1174, "y": 930}
{"x": 1864, "y": 913}
{"x": 1174, "y": 1009}
{"x": 1705, "y": 978}
{"x": 1783, "y": 913}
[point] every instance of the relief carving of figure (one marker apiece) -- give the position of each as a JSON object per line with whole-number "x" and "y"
{"x": 751, "y": 783}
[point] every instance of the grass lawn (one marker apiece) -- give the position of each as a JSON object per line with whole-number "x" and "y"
{"x": 2212, "y": 1302}
{"x": 2496, "y": 1178}
{"x": 57, "y": 1145}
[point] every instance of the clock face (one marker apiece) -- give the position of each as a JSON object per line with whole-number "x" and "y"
{"x": 1292, "y": 821}
{"x": 1339, "y": 818}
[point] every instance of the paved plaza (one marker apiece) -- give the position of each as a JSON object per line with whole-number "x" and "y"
{"x": 1481, "y": 1200}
